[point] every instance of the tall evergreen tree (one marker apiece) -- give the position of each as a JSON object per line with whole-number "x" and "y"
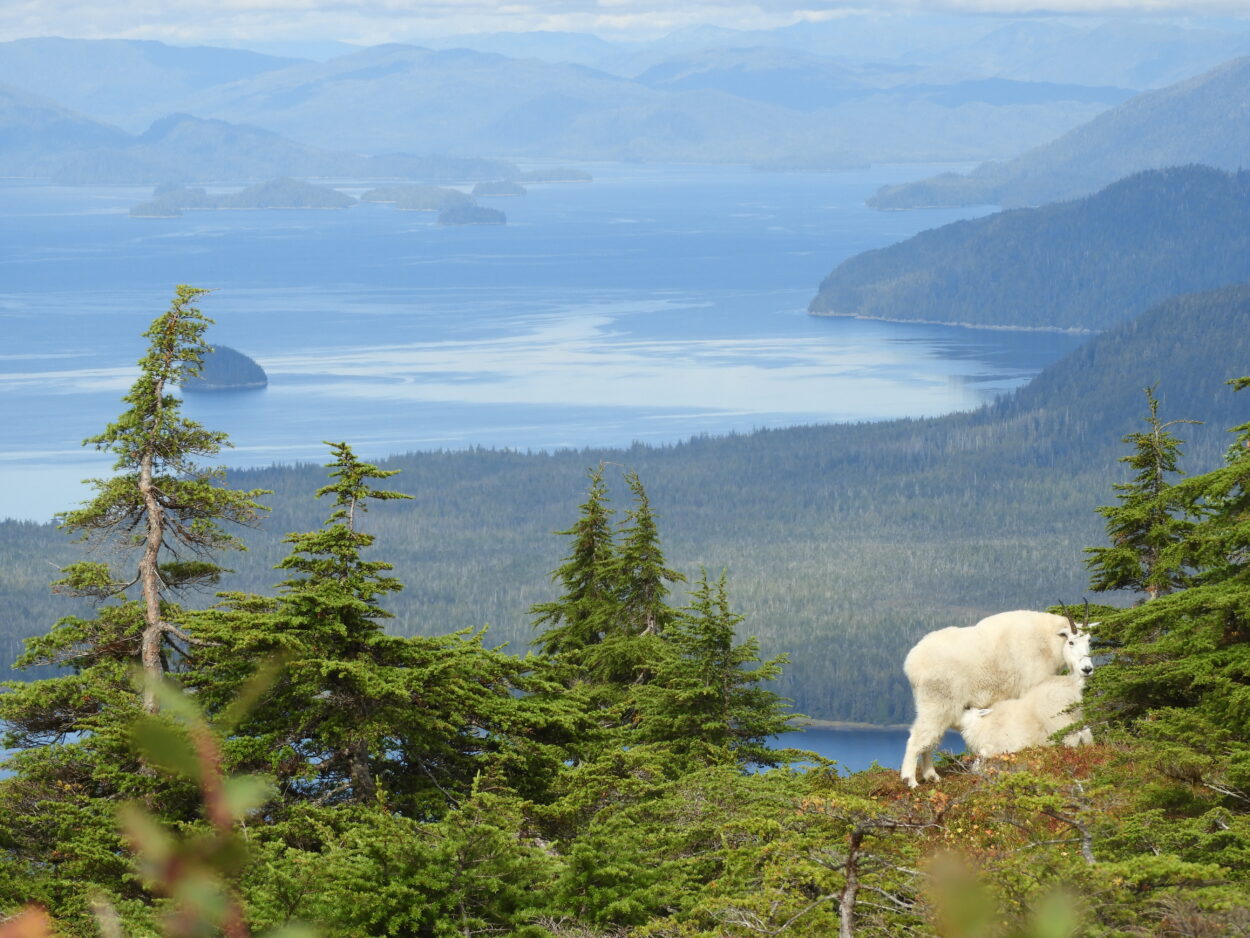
{"x": 1180, "y": 665}
{"x": 160, "y": 520}
{"x": 706, "y": 698}
{"x": 586, "y": 610}
{"x": 1146, "y": 534}
{"x": 161, "y": 505}
{"x": 362, "y": 716}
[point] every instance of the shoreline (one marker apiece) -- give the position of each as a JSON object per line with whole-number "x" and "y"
{"x": 960, "y": 325}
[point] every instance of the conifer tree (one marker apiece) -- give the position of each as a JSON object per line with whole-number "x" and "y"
{"x": 159, "y": 519}
{"x": 634, "y": 639}
{"x": 361, "y": 716}
{"x": 587, "y": 609}
{"x": 1178, "y": 674}
{"x": 639, "y": 571}
{"x": 161, "y": 505}
{"x": 1146, "y": 534}
{"x": 705, "y": 696}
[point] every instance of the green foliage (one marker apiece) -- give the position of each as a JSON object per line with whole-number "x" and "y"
{"x": 364, "y": 717}
{"x": 1146, "y": 536}
{"x": 1181, "y": 659}
{"x": 703, "y": 696}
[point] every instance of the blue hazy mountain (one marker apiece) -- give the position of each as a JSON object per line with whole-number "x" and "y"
{"x": 42, "y": 139}
{"x": 403, "y": 97}
{"x": 33, "y": 129}
{"x": 1126, "y": 53}
{"x": 1200, "y": 120}
{"x": 127, "y": 82}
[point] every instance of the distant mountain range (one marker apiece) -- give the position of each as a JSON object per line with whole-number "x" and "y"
{"x": 745, "y": 105}
{"x": 1200, "y": 120}
{"x": 1085, "y": 264}
{"x": 42, "y": 139}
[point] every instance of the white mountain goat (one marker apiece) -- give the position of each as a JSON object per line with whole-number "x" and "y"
{"x": 1031, "y": 719}
{"x": 999, "y": 658}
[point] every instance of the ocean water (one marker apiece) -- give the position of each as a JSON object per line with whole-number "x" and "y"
{"x": 655, "y": 303}
{"x": 854, "y": 749}
{"x": 858, "y": 748}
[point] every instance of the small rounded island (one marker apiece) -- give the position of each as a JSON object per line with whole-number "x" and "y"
{"x": 226, "y": 369}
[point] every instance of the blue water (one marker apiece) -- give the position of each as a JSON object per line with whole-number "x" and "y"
{"x": 655, "y": 303}
{"x": 853, "y": 749}
{"x": 857, "y": 749}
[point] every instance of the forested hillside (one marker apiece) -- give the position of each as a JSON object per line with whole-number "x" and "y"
{"x": 1085, "y": 264}
{"x": 842, "y": 543}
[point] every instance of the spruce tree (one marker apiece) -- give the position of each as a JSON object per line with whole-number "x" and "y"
{"x": 159, "y": 523}
{"x": 587, "y": 609}
{"x": 1146, "y": 533}
{"x": 638, "y": 577}
{"x": 361, "y": 716}
{"x": 708, "y": 695}
{"x": 1179, "y": 665}
{"x": 161, "y": 505}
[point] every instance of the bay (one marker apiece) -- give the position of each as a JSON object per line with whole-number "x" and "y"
{"x": 653, "y": 304}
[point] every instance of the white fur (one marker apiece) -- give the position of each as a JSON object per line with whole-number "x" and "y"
{"x": 1032, "y": 718}
{"x": 999, "y": 658}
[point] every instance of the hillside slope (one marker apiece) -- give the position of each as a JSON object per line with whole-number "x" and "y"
{"x": 842, "y": 543}
{"x": 1084, "y": 264}
{"x": 1201, "y": 120}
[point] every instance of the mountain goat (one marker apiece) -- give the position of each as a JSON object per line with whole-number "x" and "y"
{"x": 1031, "y": 719}
{"x": 951, "y": 669}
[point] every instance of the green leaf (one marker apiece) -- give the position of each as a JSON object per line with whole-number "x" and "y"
{"x": 165, "y": 747}
{"x": 246, "y": 793}
{"x": 148, "y": 837}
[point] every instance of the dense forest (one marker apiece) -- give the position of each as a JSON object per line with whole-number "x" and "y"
{"x": 842, "y": 543}
{"x": 279, "y": 763}
{"x": 1084, "y": 264}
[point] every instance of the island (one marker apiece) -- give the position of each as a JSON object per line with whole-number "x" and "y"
{"x": 553, "y": 174}
{"x": 419, "y": 198}
{"x": 472, "y": 215}
{"x": 812, "y": 163}
{"x": 170, "y": 201}
{"x": 502, "y": 188}
{"x": 226, "y": 369}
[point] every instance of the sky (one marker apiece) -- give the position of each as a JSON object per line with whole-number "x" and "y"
{"x": 373, "y": 21}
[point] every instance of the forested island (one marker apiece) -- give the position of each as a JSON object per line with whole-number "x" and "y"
{"x": 1083, "y": 265}
{"x": 226, "y": 369}
{"x": 171, "y": 200}
{"x": 408, "y": 198}
{"x": 552, "y": 174}
{"x": 471, "y": 215}
{"x": 496, "y": 189}
{"x": 281, "y": 755}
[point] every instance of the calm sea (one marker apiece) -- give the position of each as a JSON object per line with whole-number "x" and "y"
{"x": 655, "y": 303}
